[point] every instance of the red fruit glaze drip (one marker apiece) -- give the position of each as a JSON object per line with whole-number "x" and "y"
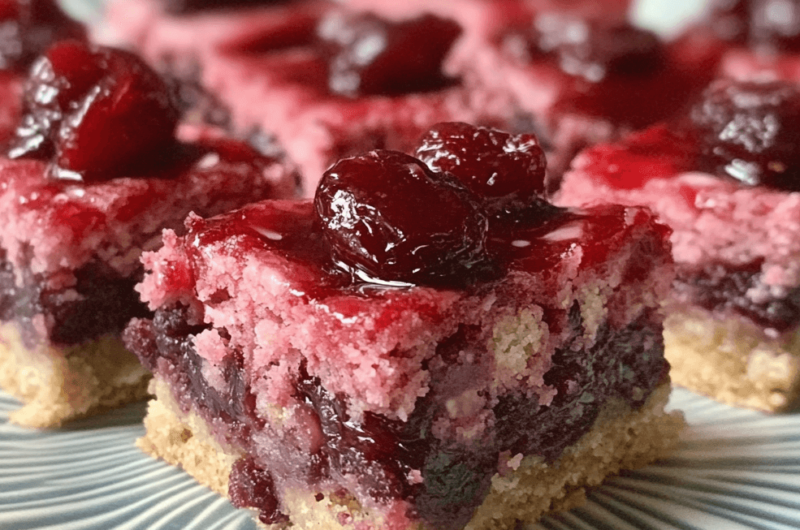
{"x": 96, "y": 112}
{"x": 369, "y": 55}
{"x": 28, "y": 27}
{"x": 505, "y": 170}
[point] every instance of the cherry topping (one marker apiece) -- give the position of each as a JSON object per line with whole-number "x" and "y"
{"x": 369, "y": 55}
{"x": 505, "y": 170}
{"x": 388, "y": 217}
{"x": 592, "y": 50}
{"x": 97, "y": 112}
{"x": 748, "y": 130}
{"x": 28, "y": 27}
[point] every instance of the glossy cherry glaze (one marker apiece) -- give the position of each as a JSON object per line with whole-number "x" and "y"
{"x": 369, "y": 55}
{"x": 29, "y": 27}
{"x": 744, "y": 131}
{"x": 96, "y": 113}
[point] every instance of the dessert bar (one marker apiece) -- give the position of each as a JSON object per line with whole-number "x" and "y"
{"x": 427, "y": 344}
{"x": 725, "y": 180}
{"x": 583, "y": 76}
{"x": 94, "y": 173}
{"x": 329, "y": 81}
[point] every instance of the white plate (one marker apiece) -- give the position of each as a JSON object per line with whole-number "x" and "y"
{"x": 735, "y": 469}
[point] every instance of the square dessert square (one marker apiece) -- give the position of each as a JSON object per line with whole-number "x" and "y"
{"x": 81, "y": 196}
{"x": 295, "y": 70}
{"x": 583, "y": 74}
{"x": 519, "y": 362}
{"x": 728, "y": 190}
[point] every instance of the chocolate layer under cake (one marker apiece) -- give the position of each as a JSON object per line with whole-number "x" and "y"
{"x": 515, "y": 364}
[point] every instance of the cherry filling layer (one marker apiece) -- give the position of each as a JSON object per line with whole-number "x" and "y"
{"x": 105, "y": 302}
{"x": 725, "y": 288}
{"x": 624, "y": 363}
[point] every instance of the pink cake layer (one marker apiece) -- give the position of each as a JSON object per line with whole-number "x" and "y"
{"x": 52, "y": 227}
{"x": 313, "y": 378}
{"x": 713, "y": 219}
{"x": 270, "y": 75}
{"x": 275, "y": 304}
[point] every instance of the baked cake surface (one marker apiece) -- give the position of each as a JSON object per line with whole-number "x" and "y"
{"x": 293, "y": 379}
{"x": 733, "y": 316}
{"x": 300, "y": 62}
{"x": 72, "y": 234}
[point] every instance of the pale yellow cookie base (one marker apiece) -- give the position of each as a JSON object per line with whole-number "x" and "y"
{"x": 620, "y": 439}
{"x": 732, "y": 361}
{"x": 57, "y": 385}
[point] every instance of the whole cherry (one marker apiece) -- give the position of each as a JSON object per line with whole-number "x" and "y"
{"x": 505, "y": 170}
{"x": 96, "y": 112}
{"x": 369, "y": 55}
{"x": 748, "y": 131}
{"x": 388, "y": 217}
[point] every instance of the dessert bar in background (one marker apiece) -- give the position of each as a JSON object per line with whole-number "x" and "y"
{"x": 352, "y": 362}
{"x": 95, "y": 171}
{"x": 725, "y": 180}
{"x": 328, "y": 80}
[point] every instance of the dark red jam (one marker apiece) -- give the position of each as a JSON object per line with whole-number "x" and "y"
{"x": 29, "y": 27}
{"x": 96, "y": 113}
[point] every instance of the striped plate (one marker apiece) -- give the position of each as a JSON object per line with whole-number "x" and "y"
{"x": 735, "y": 469}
